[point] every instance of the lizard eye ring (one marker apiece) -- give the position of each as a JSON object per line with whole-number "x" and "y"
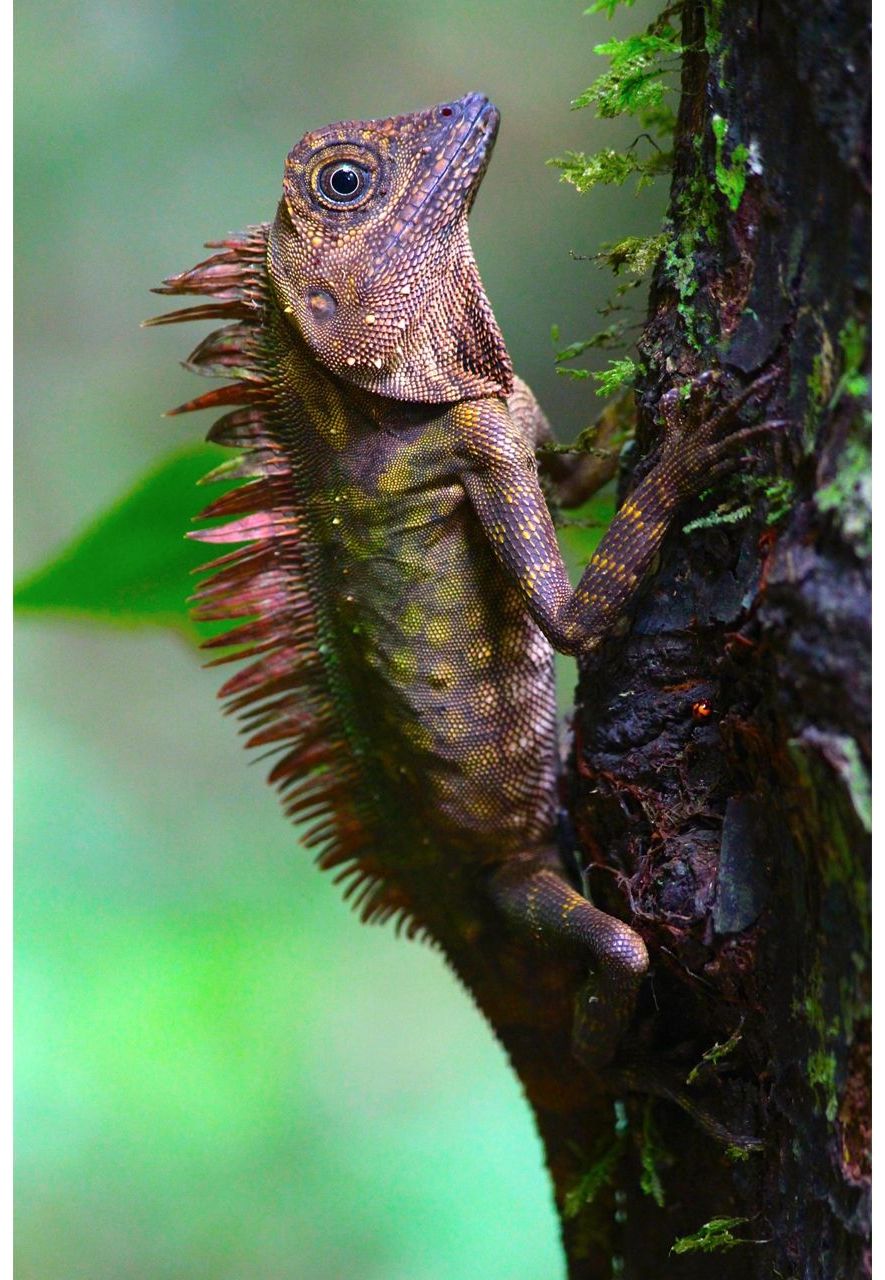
{"x": 342, "y": 182}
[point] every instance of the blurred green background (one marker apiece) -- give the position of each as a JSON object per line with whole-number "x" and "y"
{"x": 220, "y": 1074}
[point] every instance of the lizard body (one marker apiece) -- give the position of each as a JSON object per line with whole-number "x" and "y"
{"x": 399, "y": 585}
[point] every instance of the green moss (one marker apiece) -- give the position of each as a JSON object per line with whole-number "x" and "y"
{"x": 714, "y": 1054}
{"x": 641, "y": 74}
{"x": 852, "y": 342}
{"x": 779, "y": 493}
{"x": 609, "y": 168}
{"x": 610, "y": 336}
{"x": 820, "y": 1064}
{"x": 608, "y": 6}
{"x": 835, "y": 812}
{"x": 848, "y": 497}
{"x": 819, "y": 379}
{"x": 821, "y": 1070}
{"x": 597, "y": 1177}
{"x": 714, "y": 42}
{"x": 737, "y": 1155}
{"x": 634, "y": 253}
{"x": 601, "y": 1168}
{"x": 698, "y": 220}
{"x": 618, "y": 374}
{"x": 733, "y": 515}
{"x": 651, "y": 1155}
{"x": 713, "y": 26}
{"x": 731, "y": 175}
{"x": 680, "y": 267}
{"x": 634, "y": 82}
{"x": 713, "y": 1237}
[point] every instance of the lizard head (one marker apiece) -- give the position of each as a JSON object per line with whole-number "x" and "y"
{"x": 370, "y": 258}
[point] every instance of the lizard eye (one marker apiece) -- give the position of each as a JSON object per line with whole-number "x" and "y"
{"x": 342, "y": 182}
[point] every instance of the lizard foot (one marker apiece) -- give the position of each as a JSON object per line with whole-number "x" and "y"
{"x": 539, "y": 900}
{"x": 702, "y": 445}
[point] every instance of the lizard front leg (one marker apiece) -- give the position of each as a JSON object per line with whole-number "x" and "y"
{"x": 500, "y": 478}
{"x": 501, "y": 481}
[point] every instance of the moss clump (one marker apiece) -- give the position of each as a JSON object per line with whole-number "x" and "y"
{"x": 731, "y": 175}
{"x": 634, "y": 253}
{"x": 849, "y": 496}
{"x": 600, "y": 1169}
{"x": 820, "y": 1065}
{"x": 641, "y": 74}
{"x": 698, "y": 219}
{"x": 652, "y": 1154}
{"x": 618, "y": 374}
{"x": 635, "y": 81}
{"x": 636, "y": 84}
{"x": 712, "y": 1237}
{"x": 853, "y": 347}
{"x": 609, "y": 168}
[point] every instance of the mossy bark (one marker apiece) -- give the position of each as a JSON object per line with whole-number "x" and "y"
{"x": 720, "y": 784}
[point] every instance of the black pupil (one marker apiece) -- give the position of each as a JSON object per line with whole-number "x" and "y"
{"x": 344, "y": 181}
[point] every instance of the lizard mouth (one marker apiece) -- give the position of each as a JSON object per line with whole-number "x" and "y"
{"x": 467, "y": 130}
{"x": 461, "y": 138}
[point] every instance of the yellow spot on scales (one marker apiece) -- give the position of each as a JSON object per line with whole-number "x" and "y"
{"x": 442, "y": 675}
{"x": 403, "y": 666}
{"x": 412, "y": 619}
{"x": 417, "y": 734}
{"x": 454, "y": 725}
{"x": 439, "y": 631}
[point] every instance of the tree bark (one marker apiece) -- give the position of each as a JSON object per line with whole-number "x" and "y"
{"x": 719, "y": 776}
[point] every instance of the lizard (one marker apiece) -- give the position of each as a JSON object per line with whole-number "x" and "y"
{"x": 394, "y": 584}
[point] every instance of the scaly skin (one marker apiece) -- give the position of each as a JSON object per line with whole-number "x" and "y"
{"x": 405, "y": 586}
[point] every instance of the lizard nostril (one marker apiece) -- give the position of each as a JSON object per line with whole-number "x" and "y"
{"x": 446, "y": 111}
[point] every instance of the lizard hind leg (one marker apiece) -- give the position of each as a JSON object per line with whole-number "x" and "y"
{"x": 537, "y": 900}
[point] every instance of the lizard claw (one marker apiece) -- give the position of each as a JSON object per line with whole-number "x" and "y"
{"x": 725, "y": 454}
{"x": 702, "y": 445}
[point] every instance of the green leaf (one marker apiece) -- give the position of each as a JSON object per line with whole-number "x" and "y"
{"x": 132, "y": 566}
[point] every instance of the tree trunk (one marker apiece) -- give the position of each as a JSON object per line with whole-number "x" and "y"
{"x": 719, "y": 778}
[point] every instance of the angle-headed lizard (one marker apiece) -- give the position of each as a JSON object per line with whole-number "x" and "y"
{"x": 401, "y": 583}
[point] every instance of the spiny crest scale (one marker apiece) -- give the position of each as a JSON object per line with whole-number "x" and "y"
{"x": 282, "y": 695}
